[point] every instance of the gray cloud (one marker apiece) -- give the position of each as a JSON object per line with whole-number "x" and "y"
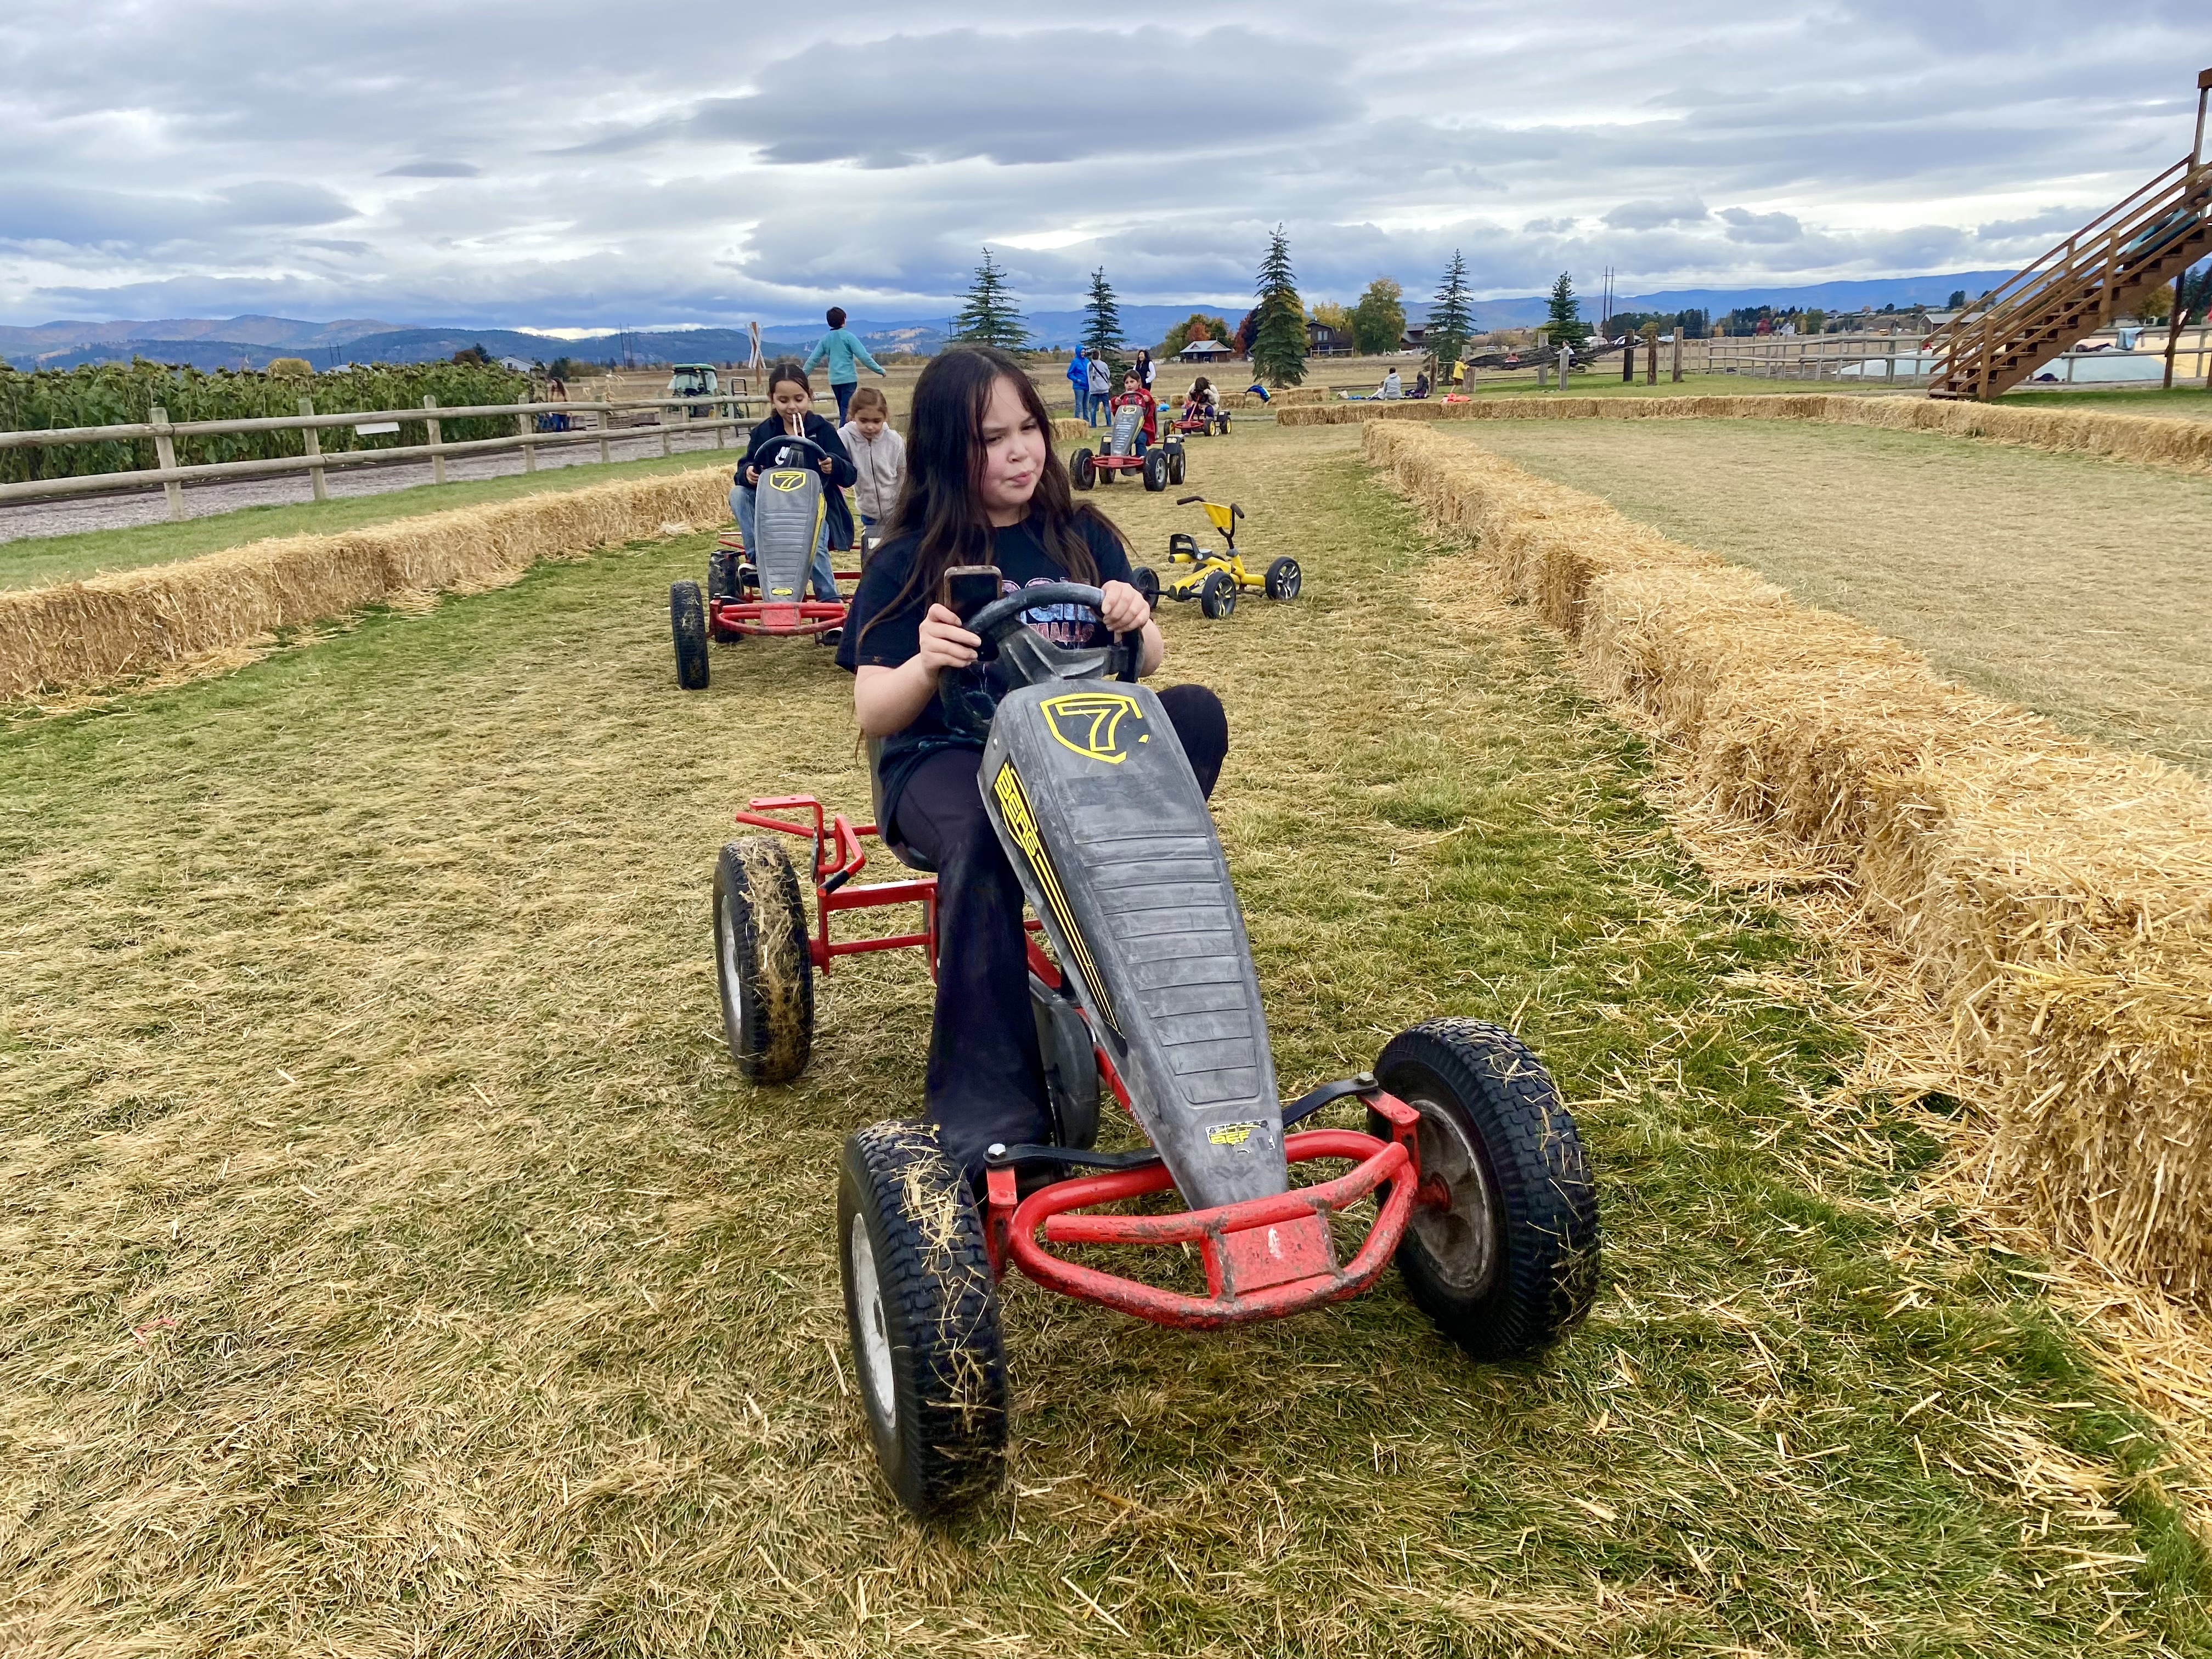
{"x": 712, "y": 161}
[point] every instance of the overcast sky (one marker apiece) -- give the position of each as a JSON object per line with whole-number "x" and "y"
{"x": 558, "y": 163}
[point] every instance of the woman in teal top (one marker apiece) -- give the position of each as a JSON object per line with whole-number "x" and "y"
{"x": 842, "y": 350}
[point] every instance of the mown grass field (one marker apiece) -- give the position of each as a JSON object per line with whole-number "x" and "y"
{"x": 2072, "y": 584}
{"x": 34, "y": 561}
{"x": 391, "y": 1261}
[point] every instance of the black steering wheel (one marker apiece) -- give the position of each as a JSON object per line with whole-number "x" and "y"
{"x": 816, "y": 453}
{"x": 968, "y": 700}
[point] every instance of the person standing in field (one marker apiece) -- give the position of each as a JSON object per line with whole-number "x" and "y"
{"x": 1079, "y": 376}
{"x": 878, "y": 456}
{"x": 842, "y": 350}
{"x": 1145, "y": 367}
{"x": 1101, "y": 383}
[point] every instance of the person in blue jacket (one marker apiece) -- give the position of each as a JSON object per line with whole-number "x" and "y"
{"x": 792, "y": 400}
{"x": 842, "y": 350}
{"x": 1079, "y": 376}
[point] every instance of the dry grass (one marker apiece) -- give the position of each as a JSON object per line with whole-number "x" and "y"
{"x": 83, "y": 635}
{"x": 2055, "y": 899}
{"x": 391, "y": 1262}
{"x": 2056, "y": 581}
{"x": 2142, "y": 438}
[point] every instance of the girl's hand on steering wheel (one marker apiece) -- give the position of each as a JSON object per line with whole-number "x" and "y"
{"x": 1124, "y": 610}
{"x": 827, "y": 465}
{"x": 752, "y": 477}
{"x": 945, "y": 643}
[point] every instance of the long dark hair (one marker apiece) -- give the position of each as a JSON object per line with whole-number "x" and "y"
{"x": 942, "y": 502}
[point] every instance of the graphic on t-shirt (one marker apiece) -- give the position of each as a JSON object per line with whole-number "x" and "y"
{"x": 1067, "y": 625}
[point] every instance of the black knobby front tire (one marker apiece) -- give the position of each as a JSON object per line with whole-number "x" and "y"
{"x": 1146, "y": 581}
{"x": 1283, "y": 578}
{"x": 1084, "y": 469}
{"x": 922, "y": 1313}
{"x": 1178, "y": 463}
{"x": 724, "y": 585}
{"x": 1512, "y": 1262}
{"x": 687, "y": 621}
{"x": 763, "y": 969}
{"x": 1156, "y": 470}
{"x": 1217, "y": 595}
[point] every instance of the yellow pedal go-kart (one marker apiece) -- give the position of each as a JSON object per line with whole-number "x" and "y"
{"x": 1214, "y": 579}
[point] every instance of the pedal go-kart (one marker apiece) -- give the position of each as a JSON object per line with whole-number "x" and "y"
{"x": 760, "y": 590}
{"x": 1160, "y": 464}
{"x": 1198, "y": 421}
{"x": 1214, "y": 579}
{"x": 1480, "y": 1188}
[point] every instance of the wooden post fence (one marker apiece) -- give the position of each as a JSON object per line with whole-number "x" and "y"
{"x": 437, "y": 448}
{"x": 1678, "y": 350}
{"x": 165, "y": 456}
{"x": 525, "y": 424}
{"x": 314, "y": 443}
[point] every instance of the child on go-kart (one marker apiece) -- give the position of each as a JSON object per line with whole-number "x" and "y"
{"x": 791, "y": 399}
{"x": 983, "y": 487}
{"x": 1133, "y": 390}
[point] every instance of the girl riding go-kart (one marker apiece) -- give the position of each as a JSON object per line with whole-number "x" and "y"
{"x": 983, "y": 488}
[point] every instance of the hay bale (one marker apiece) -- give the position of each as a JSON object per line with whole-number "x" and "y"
{"x": 1066, "y": 428}
{"x": 79, "y": 635}
{"x": 2054, "y": 898}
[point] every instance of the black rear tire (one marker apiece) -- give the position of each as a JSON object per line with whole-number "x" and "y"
{"x": 1084, "y": 469}
{"x": 687, "y": 621}
{"x": 1178, "y": 463}
{"x": 1156, "y": 470}
{"x": 763, "y": 967}
{"x": 1283, "y": 579}
{"x": 1512, "y": 1263}
{"x": 922, "y": 1313}
{"x": 724, "y": 585}
{"x": 1146, "y": 581}
{"x": 1217, "y": 595}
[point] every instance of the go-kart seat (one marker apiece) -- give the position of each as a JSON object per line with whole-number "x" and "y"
{"x": 900, "y": 850}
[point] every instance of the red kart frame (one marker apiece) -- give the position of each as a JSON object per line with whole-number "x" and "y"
{"x": 772, "y": 619}
{"x": 1265, "y": 1258}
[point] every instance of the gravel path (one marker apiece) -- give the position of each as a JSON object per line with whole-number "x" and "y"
{"x": 125, "y": 509}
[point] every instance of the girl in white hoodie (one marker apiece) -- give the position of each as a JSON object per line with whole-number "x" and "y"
{"x": 879, "y": 452}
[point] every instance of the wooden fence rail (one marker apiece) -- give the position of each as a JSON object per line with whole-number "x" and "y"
{"x": 315, "y": 461}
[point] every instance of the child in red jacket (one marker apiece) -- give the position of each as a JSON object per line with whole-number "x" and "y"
{"x": 1133, "y": 392}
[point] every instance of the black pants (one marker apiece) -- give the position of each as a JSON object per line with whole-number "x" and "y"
{"x": 986, "y": 1079}
{"x": 844, "y": 390}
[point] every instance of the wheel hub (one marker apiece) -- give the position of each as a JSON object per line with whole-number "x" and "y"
{"x": 871, "y": 1331}
{"x": 1460, "y": 1236}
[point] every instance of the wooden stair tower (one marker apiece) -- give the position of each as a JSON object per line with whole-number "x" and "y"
{"x": 2084, "y": 282}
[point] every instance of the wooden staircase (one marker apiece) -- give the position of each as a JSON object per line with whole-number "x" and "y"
{"x": 2082, "y": 284}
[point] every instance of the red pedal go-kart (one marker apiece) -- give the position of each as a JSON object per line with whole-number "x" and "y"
{"x": 1200, "y": 421}
{"x": 1479, "y": 1184}
{"x": 761, "y": 590}
{"x": 1159, "y": 465}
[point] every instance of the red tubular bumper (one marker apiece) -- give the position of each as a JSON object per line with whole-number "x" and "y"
{"x": 1265, "y": 1258}
{"x": 763, "y": 618}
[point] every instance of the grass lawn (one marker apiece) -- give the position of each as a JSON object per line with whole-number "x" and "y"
{"x": 36, "y": 560}
{"x": 2188, "y": 402}
{"x": 2067, "y": 583}
{"x": 392, "y": 1262}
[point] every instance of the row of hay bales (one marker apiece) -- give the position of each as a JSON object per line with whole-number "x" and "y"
{"x": 83, "y": 635}
{"x": 2145, "y": 439}
{"x": 2055, "y": 898}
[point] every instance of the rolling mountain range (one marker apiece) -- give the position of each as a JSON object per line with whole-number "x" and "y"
{"x": 252, "y": 341}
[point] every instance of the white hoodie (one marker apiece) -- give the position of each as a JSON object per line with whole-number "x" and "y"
{"x": 882, "y": 464}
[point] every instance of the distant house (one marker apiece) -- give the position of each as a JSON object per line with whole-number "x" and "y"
{"x": 1414, "y": 339}
{"x": 1324, "y": 340}
{"x": 1202, "y": 350}
{"x": 516, "y": 364}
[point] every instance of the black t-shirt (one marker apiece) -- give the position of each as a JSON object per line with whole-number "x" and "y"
{"x": 892, "y": 636}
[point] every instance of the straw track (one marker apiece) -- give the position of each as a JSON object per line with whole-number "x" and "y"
{"x": 83, "y": 635}
{"x": 2057, "y": 898}
{"x": 393, "y": 1263}
{"x": 2145, "y": 439}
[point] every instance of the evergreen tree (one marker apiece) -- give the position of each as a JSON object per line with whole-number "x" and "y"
{"x": 1563, "y": 319}
{"x": 1279, "y": 341}
{"x": 1451, "y": 317}
{"x": 989, "y": 317}
{"x": 1102, "y": 326}
{"x": 1378, "y": 321}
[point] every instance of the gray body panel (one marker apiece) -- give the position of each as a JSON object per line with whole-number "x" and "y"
{"x": 1135, "y": 897}
{"x": 1121, "y": 437}
{"x": 788, "y": 507}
